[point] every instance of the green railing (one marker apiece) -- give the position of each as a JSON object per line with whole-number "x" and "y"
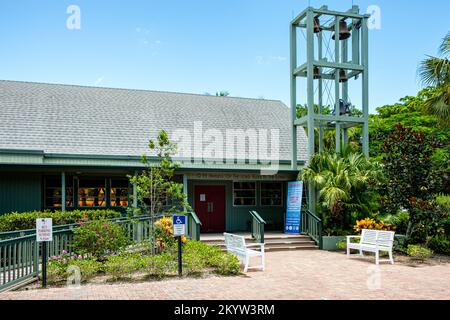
{"x": 312, "y": 225}
{"x": 257, "y": 226}
{"x": 19, "y": 260}
{"x": 193, "y": 227}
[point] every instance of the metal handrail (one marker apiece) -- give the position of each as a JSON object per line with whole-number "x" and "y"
{"x": 312, "y": 225}
{"x": 258, "y": 224}
{"x": 194, "y": 225}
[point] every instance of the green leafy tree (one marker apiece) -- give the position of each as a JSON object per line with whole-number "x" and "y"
{"x": 346, "y": 185}
{"x": 157, "y": 191}
{"x": 222, "y": 94}
{"x": 407, "y": 159}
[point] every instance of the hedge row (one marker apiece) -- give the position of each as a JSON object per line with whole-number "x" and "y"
{"x": 27, "y": 220}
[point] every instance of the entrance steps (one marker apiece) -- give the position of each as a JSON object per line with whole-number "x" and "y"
{"x": 273, "y": 241}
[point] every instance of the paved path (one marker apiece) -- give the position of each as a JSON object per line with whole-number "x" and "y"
{"x": 289, "y": 275}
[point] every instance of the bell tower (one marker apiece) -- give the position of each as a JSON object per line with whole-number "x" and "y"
{"x": 329, "y": 71}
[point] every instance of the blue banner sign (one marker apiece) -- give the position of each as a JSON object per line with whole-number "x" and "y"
{"x": 294, "y": 205}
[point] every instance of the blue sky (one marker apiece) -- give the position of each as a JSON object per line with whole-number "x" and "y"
{"x": 199, "y": 46}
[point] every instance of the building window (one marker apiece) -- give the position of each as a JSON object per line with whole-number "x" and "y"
{"x": 244, "y": 193}
{"x": 91, "y": 192}
{"x": 271, "y": 194}
{"x": 53, "y": 193}
{"x": 120, "y": 191}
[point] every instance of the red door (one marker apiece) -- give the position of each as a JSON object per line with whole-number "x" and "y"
{"x": 210, "y": 207}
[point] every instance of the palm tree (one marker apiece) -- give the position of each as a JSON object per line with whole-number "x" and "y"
{"x": 435, "y": 72}
{"x": 343, "y": 182}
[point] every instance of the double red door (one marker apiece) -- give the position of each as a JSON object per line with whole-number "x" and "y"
{"x": 210, "y": 208}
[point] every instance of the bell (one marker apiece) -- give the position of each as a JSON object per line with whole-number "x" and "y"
{"x": 317, "y": 27}
{"x": 342, "y": 76}
{"x": 316, "y": 73}
{"x": 343, "y": 31}
{"x": 344, "y": 109}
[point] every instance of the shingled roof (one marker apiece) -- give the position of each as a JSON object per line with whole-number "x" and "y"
{"x": 79, "y": 120}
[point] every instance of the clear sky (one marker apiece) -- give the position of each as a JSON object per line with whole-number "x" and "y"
{"x": 198, "y": 46}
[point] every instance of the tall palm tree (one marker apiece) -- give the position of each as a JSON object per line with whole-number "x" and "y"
{"x": 435, "y": 72}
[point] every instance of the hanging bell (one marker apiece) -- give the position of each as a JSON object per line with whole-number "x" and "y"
{"x": 342, "y": 76}
{"x": 316, "y": 73}
{"x": 317, "y": 27}
{"x": 343, "y": 31}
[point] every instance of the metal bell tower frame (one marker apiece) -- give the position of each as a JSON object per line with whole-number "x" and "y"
{"x": 317, "y": 69}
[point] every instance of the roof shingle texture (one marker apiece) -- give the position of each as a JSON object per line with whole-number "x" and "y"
{"x": 77, "y": 120}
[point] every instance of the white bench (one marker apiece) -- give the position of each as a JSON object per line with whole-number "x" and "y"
{"x": 236, "y": 245}
{"x": 375, "y": 241}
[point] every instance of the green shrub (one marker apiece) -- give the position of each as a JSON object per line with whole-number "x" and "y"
{"x": 225, "y": 264}
{"x": 99, "y": 238}
{"x": 342, "y": 244}
{"x": 203, "y": 255}
{"x": 122, "y": 266}
{"x": 58, "y": 267}
{"x": 439, "y": 244}
{"x": 418, "y": 252}
{"x": 161, "y": 265}
{"x": 27, "y": 220}
{"x": 399, "y": 220}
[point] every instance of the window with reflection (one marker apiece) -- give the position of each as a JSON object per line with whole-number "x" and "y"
{"x": 244, "y": 193}
{"x": 91, "y": 192}
{"x": 53, "y": 192}
{"x": 120, "y": 191}
{"x": 271, "y": 194}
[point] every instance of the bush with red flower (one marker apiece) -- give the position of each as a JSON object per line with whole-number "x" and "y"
{"x": 99, "y": 239}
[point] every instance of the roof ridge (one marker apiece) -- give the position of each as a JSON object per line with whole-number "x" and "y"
{"x": 140, "y": 90}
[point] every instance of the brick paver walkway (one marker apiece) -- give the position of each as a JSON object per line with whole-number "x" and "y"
{"x": 289, "y": 275}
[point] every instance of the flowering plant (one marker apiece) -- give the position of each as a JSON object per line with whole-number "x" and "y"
{"x": 164, "y": 233}
{"x": 99, "y": 238}
{"x": 371, "y": 224}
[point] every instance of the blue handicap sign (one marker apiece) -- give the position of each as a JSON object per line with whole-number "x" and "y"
{"x": 179, "y": 225}
{"x": 179, "y": 220}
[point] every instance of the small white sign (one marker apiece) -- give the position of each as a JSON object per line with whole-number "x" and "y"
{"x": 179, "y": 226}
{"x": 203, "y": 197}
{"x": 44, "y": 229}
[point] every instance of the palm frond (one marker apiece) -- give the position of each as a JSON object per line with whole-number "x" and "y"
{"x": 434, "y": 71}
{"x": 444, "y": 49}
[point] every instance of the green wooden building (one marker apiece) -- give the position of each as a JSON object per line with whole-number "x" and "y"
{"x": 71, "y": 147}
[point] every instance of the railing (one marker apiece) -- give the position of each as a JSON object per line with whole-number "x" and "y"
{"x": 312, "y": 225}
{"x": 257, "y": 226}
{"x": 193, "y": 227}
{"x": 19, "y": 260}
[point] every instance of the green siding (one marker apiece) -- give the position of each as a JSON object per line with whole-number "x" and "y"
{"x": 20, "y": 192}
{"x": 237, "y": 218}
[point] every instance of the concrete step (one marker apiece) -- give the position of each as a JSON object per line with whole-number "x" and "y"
{"x": 273, "y": 243}
{"x": 266, "y": 238}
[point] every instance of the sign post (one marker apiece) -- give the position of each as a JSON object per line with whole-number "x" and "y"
{"x": 179, "y": 230}
{"x": 294, "y": 205}
{"x": 44, "y": 234}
